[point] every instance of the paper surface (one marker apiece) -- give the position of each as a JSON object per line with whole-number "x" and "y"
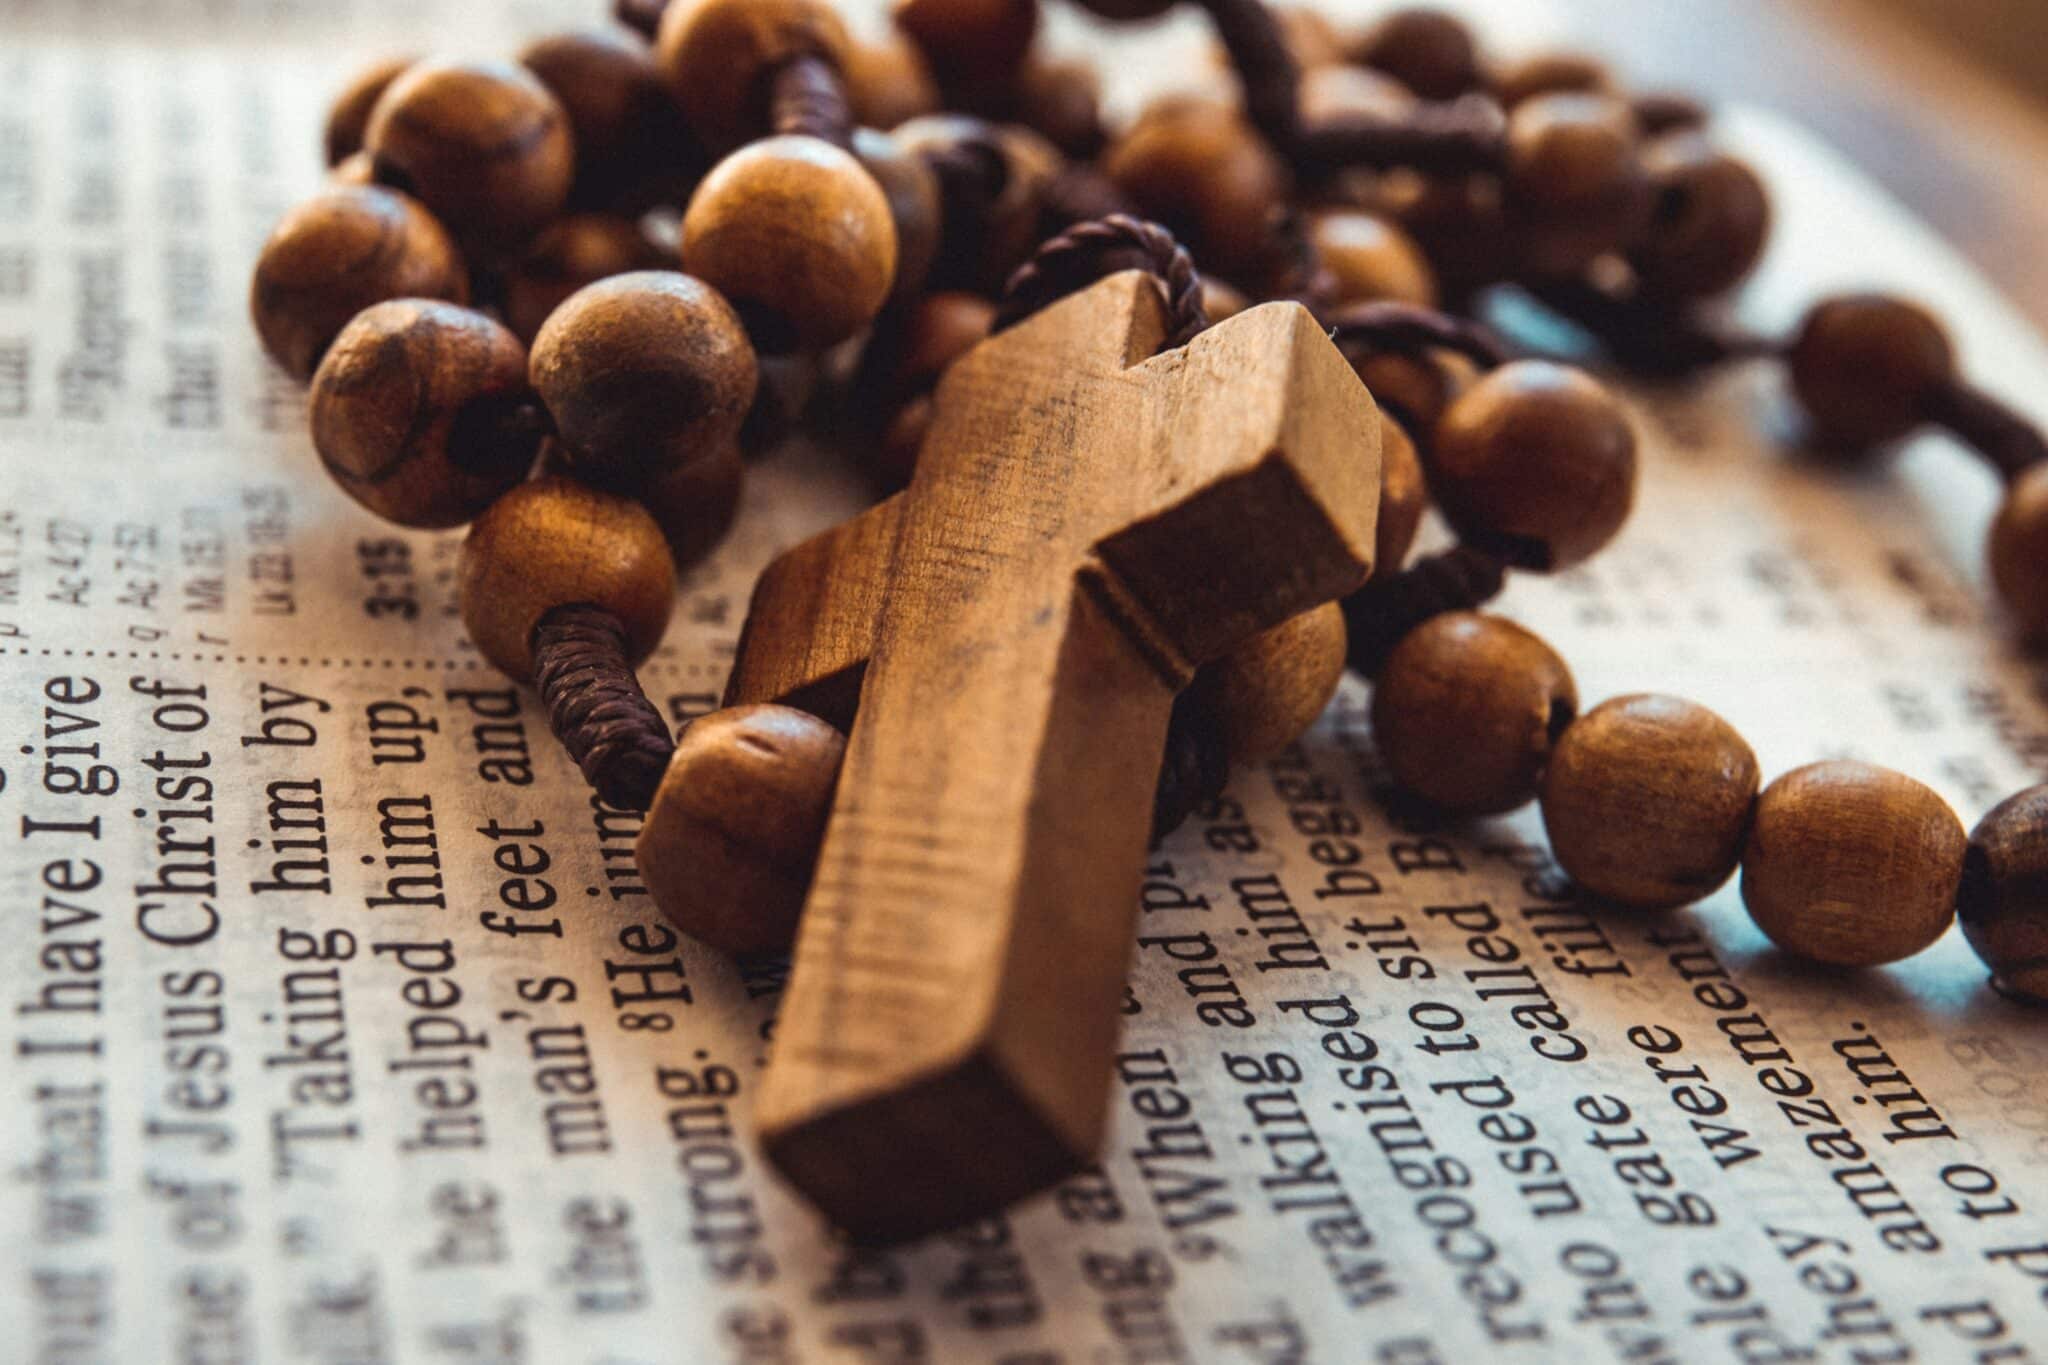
{"x": 336, "y": 1028}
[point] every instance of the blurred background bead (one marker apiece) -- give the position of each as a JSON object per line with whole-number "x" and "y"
{"x": 719, "y": 57}
{"x": 1428, "y": 50}
{"x": 349, "y": 115}
{"x": 580, "y": 249}
{"x": 1710, "y": 220}
{"x": 1863, "y": 366}
{"x": 2018, "y": 551}
{"x": 2003, "y": 899}
{"x": 632, "y": 143}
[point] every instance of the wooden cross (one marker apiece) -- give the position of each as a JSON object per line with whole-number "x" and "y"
{"x": 1088, "y": 522}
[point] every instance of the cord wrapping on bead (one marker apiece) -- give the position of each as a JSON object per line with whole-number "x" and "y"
{"x": 807, "y": 98}
{"x": 595, "y": 705}
{"x": 1988, "y": 425}
{"x": 1093, "y": 250}
{"x": 1410, "y": 329}
{"x": 1443, "y": 137}
{"x": 1382, "y": 613}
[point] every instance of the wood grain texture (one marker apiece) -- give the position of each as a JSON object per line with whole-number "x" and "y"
{"x": 1051, "y": 581}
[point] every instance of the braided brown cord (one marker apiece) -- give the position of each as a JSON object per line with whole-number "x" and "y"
{"x": 808, "y": 97}
{"x": 1989, "y": 426}
{"x": 1647, "y": 336}
{"x": 1410, "y": 329}
{"x": 1265, "y": 67}
{"x": 595, "y": 705}
{"x": 642, "y": 16}
{"x": 1087, "y": 252}
{"x": 1380, "y": 614}
{"x": 1663, "y": 111}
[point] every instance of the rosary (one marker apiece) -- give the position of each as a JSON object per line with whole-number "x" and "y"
{"x": 1141, "y": 518}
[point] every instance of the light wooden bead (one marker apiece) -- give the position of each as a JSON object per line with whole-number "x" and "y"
{"x": 1535, "y": 462}
{"x": 578, "y": 250}
{"x": 1371, "y": 259}
{"x": 1647, "y": 799}
{"x": 1221, "y": 300}
{"x": 482, "y": 144}
{"x": 731, "y": 839}
{"x": 1198, "y": 167}
{"x": 1268, "y": 691}
{"x": 887, "y": 82}
{"x": 1404, "y": 496}
{"x": 2018, "y": 551}
{"x": 1060, "y": 98}
{"x": 629, "y": 132}
{"x": 1466, "y": 709}
{"x": 1427, "y": 50}
{"x": 2003, "y": 899}
{"x": 336, "y": 254}
{"x": 411, "y": 412}
{"x": 1550, "y": 73}
{"x": 797, "y": 236}
{"x": 912, "y": 191}
{"x": 357, "y": 170}
{"x": 1311, "y": 38}
{"x": 969, "y": 41}
{"x": 349, "y": 115}
{"x": 644, "y": 373}
{"x": 1713, "y": 218}
{"x": 1864, "y": 365}
{"x": 1575, "y": 182}
{"x": 1331, "y": 92}
{"x": 719, "y": 58}
{"x": 556, "y": 542}
{"x": 1851, "y": 864}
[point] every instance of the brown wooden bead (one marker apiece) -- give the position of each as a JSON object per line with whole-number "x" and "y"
{"x": 719, "y": 58}
{"x": 1536, "y": 462}
{"x": 335, "y": 255}
{"x": 982, "y": 242}
{"x": 1710, "y": 222}
{"x": 630, "y": 135}
{"x": 644, "y": 373}
{"x": 1196, "y": 166}
{"x": 355, "y": 171}
{"x": 2003, "y": 899}
{"x": 1404, "y": 496}
{"x": 1550, "y": 73}
{"x": 732, "y": 837}
{"x": 1575, "y": 183}
{"x": 1427, "y": 50}
{"x": 1416, "y": 388}
{"x": 482, "y": 144}
{"x": 907, "y": 183}
{"x": 969, "y": 41}
{"x": 349, "y": 115}
{"x": 1863, "y": 366}
{"x": 415, "y": 411}
{"x": 556, "y": 542}
{"x": 694, "y": 504}
{"x": 1330, "y": 92}
{"x": 894, "y": 458}
{"x": 580, "y": 249}
{"x": 1466, "y": 709}
{"x": 1311, "y": 38}
{"x": 1221, "y": 300}
{"x": 936, "y": 331}
{"x": 1369, "y": 258}
{"x": 1266, "y": 692}
{"x": 1647, "y": 799}
{"x": 797, "y": 236}
{"x": 887, "y": 82}
{"x": 1459, "y": 221}
{"x": 2018, "y": 551}
{"x": 1851, "y": 864}
{"x": 1060, "y": 99}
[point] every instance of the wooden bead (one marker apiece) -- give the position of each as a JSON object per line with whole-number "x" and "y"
{"x": 1863, "y": 366}
{"x": 887, "y": 82}
{"x": 2003, "y": 899}
{"x": 1647, "y": 799}
{"x": 1416, "y": 388}
{"x": 1266, "y": 692}
{"x": 349, "y": 115}
{"x": 1221, "y": 300}
{"x": 355, "y": 171}
{"x": 1550, "y": 73}
{"x": 1459, "y": 221}
{"x": 335, "y": 255}
{"x": 894, "y": 458}
{"x": 981, "y": 243}
{"x": 969, "y": 41}
{"x": 1196, "y": 166}
{"x": 797, "y": 236}
{"x": 2018, "y": 551}
{"x": 1575, "y": 183}
{"x": 1852, "y": 864}
{"x": 1466, "y": 709}
{"x": 630, "y": 135}
{"x": 580, "y": 249}
{"x": 1061, "y": 100}
{"x": 1536, "y": 462}
{"x": 1312, "y": 40}
{"x": 1332, "y": 92}
{"x": 1710, "y": 224}
{"x": 694, "y": 504}
{"x": 1369, "y": 259}
{"x": 556, "y": 542}
{"x": 414, "y": 412}
{"x": 732, "y": 837}
{"x": 482, "y": 144}
{"x": 912, "y": 191}
{"x": 644, "y": 373}
{"x": 719, "y": 58}
{"x": 1426, "y": 50}
{"x": 1404, "y": 496}
{"x": 936, "y": 331}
